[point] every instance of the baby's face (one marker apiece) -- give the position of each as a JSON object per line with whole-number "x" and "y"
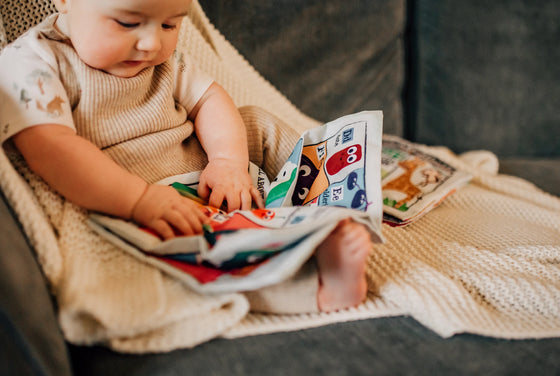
{"x": 122, "y": 37}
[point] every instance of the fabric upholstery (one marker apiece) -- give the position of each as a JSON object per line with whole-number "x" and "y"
{"x": 486, "y": 75}
{"x": 543, "y": 172}
{"x": 30, "y": 338}
{"x": 329, "y": 58}
{"x": 385, "y": 346}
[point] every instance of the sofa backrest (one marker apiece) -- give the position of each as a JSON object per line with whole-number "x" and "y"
{"x": 486, "y": 75}
{"x": 330, "y": 58}
{"x": 472, "y": 74}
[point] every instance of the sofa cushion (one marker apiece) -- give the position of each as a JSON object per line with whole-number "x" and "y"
{"x": 329, "y": 58}
{"x": 544, "y": 173}
{"x": 384, "y": 346}
{"x": 486, "y": 75}
{"x": 30, "y": 338}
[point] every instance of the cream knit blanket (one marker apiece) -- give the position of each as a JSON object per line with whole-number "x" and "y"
{"x": 487, "y": 261}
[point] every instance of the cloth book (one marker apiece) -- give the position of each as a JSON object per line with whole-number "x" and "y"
{"x": 342, "y": 169}
{"x": 414, "y": 181}
{"x": 333, "y": 173}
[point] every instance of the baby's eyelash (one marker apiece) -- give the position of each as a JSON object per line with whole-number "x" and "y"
{"x": 128, "y": 25}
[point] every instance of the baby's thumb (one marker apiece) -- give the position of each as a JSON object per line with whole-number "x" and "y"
{"x": 203, "y": 191}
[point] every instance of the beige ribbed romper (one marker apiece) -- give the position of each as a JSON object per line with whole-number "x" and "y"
{"x": 141, "y": 123}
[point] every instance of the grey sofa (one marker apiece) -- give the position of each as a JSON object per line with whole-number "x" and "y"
{"x": 467, "y": 75}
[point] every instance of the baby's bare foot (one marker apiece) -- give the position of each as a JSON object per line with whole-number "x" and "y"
{"x": 341, "y": 260}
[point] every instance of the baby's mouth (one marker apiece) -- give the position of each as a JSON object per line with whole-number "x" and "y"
{"x": 133, "y": 63}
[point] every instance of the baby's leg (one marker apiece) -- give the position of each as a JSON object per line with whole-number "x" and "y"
{"x": 270, "y": 140}
{"x": 341, "y": 260}
{"x": 342, "y": 256}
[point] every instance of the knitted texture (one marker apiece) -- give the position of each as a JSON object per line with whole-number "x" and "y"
{"x": 486, "y": 261}
{"x": 3, "y": 38}
{"x": 20, "y": 15}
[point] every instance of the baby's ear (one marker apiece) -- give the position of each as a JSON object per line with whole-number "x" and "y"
{"x": 61, "y": 5}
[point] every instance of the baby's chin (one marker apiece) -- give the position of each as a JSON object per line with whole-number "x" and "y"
{"x": 127, "y": 69}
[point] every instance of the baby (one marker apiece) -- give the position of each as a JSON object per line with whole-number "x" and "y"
{"x": 101, "y": 106}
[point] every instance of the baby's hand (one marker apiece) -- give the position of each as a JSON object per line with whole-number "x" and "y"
{"x": 164, "y": 210}
{"x": 229, "y": 181}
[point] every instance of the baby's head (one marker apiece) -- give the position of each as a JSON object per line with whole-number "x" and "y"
{"x": 122, "y": 37}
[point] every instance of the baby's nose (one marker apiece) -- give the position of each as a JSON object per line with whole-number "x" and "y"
{"x": 149, "y": 41}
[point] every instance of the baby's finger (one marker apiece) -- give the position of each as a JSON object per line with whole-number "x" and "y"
{"x": 203, "y": 191}
{"x": 233, "y": 200}
{"x": 192, "y": 219}
{"x": 246, "y": 200}
{"x": 162, "y": 229}
{"x": 196, "y": 224}
{"x": 257, "y": 198}
{"x": 202, "y": 214}
{"x": 216, "y": 199}
{"x": 180, "y": 221}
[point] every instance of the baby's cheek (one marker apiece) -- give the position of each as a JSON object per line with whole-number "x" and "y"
{"x": 166, "y": 51}
{"x": 97, "y": 55}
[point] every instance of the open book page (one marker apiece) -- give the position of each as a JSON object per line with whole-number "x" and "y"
{"x": 332, "y": 174}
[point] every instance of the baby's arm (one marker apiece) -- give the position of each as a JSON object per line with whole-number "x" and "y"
{"x": 223, "y": 136}
{"x": 82, "y": 173}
